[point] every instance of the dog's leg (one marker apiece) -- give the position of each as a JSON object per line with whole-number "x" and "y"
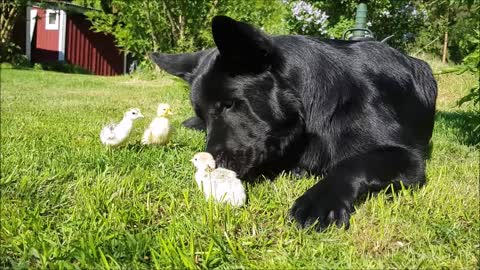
{"x": 194, "y": 123}
{"x": 330, "y": 201}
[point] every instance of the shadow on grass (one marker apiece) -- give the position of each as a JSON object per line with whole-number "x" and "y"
{"x": 138, "y": 146}
{"x": 463, "y": 125}
{"x": 135, "y": 147}
{"x": 58, "y": 66}
{"x": 22, "y": 67}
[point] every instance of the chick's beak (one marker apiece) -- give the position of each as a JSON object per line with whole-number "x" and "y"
{"x": 140, "y": 115}
{"x": 169, "y": 112}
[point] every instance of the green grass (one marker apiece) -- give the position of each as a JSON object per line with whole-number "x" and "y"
{"x": 68, "y": 203}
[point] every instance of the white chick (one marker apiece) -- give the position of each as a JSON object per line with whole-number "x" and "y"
{"x": 221, "y": 184}
{"x": 115, "y": 134}
{"x": 159, "y": 130}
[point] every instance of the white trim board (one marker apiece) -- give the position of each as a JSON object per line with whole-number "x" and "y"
{"x": 124, "y": 62}
{"x": 62, "y": 31}
{"x": 30, "y": 30}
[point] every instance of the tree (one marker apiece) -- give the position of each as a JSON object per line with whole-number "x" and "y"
{"x": 8, "y": 16}
{"x": 176, "y": 25}
{"x": 9, "y": 13}
{"x": 453, "y": 23}
{"x": 402, "y": 18}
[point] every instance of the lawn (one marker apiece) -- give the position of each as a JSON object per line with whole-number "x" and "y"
{"x": 67, "y": 202}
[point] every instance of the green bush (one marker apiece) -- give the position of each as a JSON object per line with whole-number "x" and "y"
{"x": 471, "y": 64}
{"x": 12, "y": 53}
{"x": 459, "y": 19}
{"x": 184, "y": 25}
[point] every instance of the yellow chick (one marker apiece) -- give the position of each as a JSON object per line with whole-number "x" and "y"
{"x": 159, "y": 130}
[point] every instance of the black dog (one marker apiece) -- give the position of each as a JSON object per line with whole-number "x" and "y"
{"x": 360, "y": 113}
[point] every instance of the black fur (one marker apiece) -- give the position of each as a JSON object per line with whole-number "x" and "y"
{"x": 359, "y": 113}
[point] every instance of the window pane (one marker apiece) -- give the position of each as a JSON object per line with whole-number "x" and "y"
{"x": 52, "y": 18}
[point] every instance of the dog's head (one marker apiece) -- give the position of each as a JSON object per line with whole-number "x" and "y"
{"x": 242, "y": 94}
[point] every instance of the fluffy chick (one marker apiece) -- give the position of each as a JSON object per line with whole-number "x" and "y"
{"x": 116, "y": 133}
{"x": 221, "y": 184}
{"x": 159, "y": 130}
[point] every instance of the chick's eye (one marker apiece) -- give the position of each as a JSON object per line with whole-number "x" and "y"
{"x": 134, "y": 113}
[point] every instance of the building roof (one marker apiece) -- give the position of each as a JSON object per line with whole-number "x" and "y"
{"x": 64, "y": 5}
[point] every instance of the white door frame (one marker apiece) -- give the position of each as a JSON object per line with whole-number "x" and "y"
{"x": 30, "y": 29}
{"x": 62, "y": 30}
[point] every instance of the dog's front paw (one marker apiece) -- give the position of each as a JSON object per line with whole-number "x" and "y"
{"x": 312, "y": 207}
{"x": 194, "y": 123}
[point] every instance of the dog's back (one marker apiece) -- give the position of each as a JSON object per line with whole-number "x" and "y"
{"x": 360, "y": 95}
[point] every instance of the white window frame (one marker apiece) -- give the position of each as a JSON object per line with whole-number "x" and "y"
{"x": 48, "y": 25}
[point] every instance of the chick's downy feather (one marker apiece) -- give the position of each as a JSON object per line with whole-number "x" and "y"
{"x": 159, "y": 130}
{"x": 107, "y": 133}
{"x": 220, "y": 184}
{"x": 115, "y": 134}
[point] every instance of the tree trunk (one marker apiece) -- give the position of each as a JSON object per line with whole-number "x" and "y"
{"x": 152, "y": 28}
{"x": 181, "y": 27}
{"x": 7, "y": 21}
{"x": 445, "y": 48}
{"x": 173, "y": 34}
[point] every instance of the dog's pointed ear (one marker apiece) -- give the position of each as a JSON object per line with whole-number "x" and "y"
{"x": 240, "y": 42}
{"x": 181, "y": 65}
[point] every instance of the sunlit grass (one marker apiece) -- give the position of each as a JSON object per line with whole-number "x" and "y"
{"x": 67, "y": 202}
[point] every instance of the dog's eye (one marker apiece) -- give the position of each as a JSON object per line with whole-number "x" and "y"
{"x": 228, "y": 104}
{"x": 223, "y": 105}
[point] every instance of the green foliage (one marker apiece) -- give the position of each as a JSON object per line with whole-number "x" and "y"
{"x": 458, "y": 18}
{"x": 414, "y": 24}
{"x": 400, "y": 18}
{"x": 403, "y": 19}
{"x": 462, "y": 35}
{"x": 184, "y": 25}
{"x": 12, "y": 53}
{"x": 268, "y": 15}
{"x": 143, "y": 26}
{"x": 343, "y": 24}
{"x": 178, "y": 25}
{"x": 9, "y": 13}
{"x": 471, "y": 64}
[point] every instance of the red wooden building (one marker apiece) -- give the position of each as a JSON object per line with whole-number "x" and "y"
{"x": 59, "y": 31}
